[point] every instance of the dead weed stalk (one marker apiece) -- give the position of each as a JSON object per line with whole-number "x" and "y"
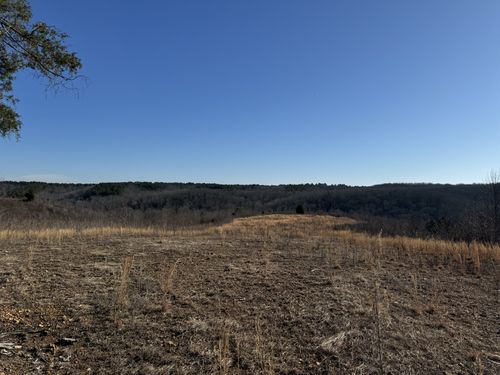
{"x": 167, "y": 285}
{"x": 263, "y": 357}
{"x": 122, "y": 302}
{"x": 376, "y": 305}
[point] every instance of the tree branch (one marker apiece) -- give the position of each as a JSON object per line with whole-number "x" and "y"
{"x": 7, "y": 25}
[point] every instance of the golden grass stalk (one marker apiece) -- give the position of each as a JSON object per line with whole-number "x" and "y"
{"x": 167, "y": 285}
{"x": 121, "y": 292}
{"x": 445, "y": 252}
{"x": 223, "y": 353}
{"x": 58, "y": 234}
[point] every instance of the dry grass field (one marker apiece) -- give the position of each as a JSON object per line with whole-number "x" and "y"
{"x": 264, "y": 295}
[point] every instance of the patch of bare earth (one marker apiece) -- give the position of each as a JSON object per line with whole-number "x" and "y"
{"x": 267, "y": 295}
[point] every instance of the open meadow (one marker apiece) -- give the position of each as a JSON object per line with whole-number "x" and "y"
{"x": 277, "y": 187}
{"x": 275, "y": 294}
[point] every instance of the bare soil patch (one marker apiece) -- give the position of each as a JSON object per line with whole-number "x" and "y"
{"x": 274, "y": 295}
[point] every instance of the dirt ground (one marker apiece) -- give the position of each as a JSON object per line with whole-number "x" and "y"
{"x": 223, "y": 302}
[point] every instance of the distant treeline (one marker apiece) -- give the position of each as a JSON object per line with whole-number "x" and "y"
{"x": 460, "y": 212}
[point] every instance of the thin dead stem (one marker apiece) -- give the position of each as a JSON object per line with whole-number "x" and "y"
{"x": 167, "y": 285}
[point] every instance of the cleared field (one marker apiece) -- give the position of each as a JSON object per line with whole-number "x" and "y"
{"x": 271, "y": 294}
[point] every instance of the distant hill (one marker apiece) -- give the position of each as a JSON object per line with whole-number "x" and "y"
{"x": 451, "y": 211}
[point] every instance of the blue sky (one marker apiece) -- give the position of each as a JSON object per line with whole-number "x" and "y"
{"x": 267, "y": 91}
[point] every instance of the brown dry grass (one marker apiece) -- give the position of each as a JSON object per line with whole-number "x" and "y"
{"x": 466, "y": 256}
{"x": 272, "y": 294}
{"x": 58, "y": 234}
{"x": 167, "y": 285}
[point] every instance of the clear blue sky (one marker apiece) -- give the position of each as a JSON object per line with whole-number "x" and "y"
{"x": 267, "y": 91}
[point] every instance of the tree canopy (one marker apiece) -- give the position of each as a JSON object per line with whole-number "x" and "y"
{"x": 29, "y": 45}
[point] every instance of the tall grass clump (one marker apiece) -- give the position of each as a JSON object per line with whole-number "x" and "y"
{"x": 122, "y": 302}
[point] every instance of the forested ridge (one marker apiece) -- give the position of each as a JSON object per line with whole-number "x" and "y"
{"x": 438, "y": 210}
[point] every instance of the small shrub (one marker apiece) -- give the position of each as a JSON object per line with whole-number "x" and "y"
{"x": 29, "y": 196}
{"x": 300, "y": 210}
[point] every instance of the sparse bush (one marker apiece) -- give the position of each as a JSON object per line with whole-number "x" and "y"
{"x": 438, "y": 226}
{"x": 29, "y": 196}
